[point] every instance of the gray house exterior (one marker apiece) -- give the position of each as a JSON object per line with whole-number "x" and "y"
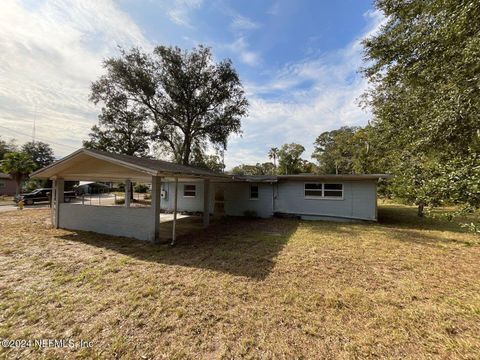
{"x": 355, "y": 196}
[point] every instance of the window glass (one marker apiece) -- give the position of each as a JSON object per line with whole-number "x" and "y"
{"x": 333, "y": 186}
{"x": 330, "y": 193}
{"x": 2, "y": 184}
{"x": 189, "y": 190}
{"x": 319, "y": 190}
{"x": 313, "y": 189}
{"x": 253, "y": 191}
{"x": 313, "y": 193}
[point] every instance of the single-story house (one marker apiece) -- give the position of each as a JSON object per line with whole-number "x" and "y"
{"x": 184, "y": 188}
{"x": 7, "y": 185}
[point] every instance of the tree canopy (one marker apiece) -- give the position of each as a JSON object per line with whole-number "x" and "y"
{"x": 266, "y": 168}
{"x": 41, "y": 153}
{"x": 423, "y": 67}
{"x": 6, "y": 147}
{"x": 120, "y": 130}
{"x": 18, "y": 165}
{"x": 190, "y": 100}
{"x": 290, "y": 161}
{"x": 348, "y": 150}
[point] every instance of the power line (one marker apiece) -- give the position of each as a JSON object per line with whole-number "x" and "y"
{"x": 42, "y": 139}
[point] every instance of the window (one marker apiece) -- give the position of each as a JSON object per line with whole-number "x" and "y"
{"x": 189, "y": 190}
{"x": 313, "y": 190}
{"x": 3, "y": 184}
{"x": 333, "y": 190}
{"x": 253, "y": 192}
{"x": 323, "y": 191}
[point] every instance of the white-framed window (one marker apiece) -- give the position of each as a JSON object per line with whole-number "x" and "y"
{"x": 323, "y": 191}
{"x": 253, "y": 192}
{"x": 189, "y": 190}
{"x": 3, "y": 184}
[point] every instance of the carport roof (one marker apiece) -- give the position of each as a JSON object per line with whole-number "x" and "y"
{"x": 145, "y": 166}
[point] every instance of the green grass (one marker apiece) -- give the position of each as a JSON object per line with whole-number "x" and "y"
{"x": 403, "y": 288}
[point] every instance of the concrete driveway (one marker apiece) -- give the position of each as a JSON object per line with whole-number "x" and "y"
{"x": 4, "y": 208}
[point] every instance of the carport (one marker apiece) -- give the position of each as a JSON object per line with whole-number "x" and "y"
{"x": 140, "y": 223}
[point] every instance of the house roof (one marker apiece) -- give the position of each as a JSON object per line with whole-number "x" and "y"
{"x": 328, "y": 177}
{"x": 4, "y": 176}
{"x": 156, "y": 165}
{"x": 96, "y": 165}
{"x": 309, "y": 177}
{"x": 88, "y": 164}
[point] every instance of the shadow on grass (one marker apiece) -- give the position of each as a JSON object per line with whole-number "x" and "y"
{"x": 399, "y": 216}
{"x": 241, "y": 247}
{"x": 399, "y": 223}
{"x": 403, "y": 224}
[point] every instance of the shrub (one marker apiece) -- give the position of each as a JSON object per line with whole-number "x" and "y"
{"x": 119, "y": 201}
{"x": 141, "y": 188}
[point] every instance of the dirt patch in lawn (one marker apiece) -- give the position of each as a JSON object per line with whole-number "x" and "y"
{"x": 245, "y": 288}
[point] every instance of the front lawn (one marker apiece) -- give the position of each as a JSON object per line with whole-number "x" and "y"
{"x": 278, "y": 288}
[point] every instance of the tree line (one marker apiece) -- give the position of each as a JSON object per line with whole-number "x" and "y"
{"x": 19, "y": 162}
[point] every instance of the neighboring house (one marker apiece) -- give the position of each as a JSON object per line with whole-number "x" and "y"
{"x": 90, "y": 187}
{"x": 7, "y": 185}
{"x": 307, "y": 196}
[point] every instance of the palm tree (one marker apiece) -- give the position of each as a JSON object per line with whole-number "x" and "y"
{"x": 273, "y": 154}
{"x": 18, "y": 165}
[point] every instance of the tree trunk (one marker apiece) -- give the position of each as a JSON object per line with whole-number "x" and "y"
{"x": 186, "y": 152}
{"x": 19, "y": 184}
{"x": 420, "y": 209}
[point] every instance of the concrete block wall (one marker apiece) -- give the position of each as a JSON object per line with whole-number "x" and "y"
{"x": 111, "y": 220}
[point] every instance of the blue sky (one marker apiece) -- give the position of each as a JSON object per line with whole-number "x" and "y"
{"x": 298, "y": 61}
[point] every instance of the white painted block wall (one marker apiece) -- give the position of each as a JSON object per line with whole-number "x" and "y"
{"x": 111, "y": 220}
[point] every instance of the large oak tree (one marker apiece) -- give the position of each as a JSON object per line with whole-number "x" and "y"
{"x": 191, "y": 100}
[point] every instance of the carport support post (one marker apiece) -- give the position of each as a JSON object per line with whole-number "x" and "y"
{"x": 206, "y": 202}
{"x": 59, "y": 195}
{"x": 156, "y": 184}
{"x": 175, "y": 211}
{"x": 128, "y": 186}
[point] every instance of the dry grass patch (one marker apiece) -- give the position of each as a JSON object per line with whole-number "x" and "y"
{"x": 403, "y": 288}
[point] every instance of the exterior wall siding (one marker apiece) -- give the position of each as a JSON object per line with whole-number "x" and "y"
{"x": 237, "y": 199}
{"x": 111, "y": 220}
{"x": 359, "y": 200}
{"x": 185, "y": 203}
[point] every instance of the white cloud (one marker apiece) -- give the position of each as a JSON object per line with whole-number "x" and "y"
{"x": 241, "y": 23}
{"x": 242, "y": 49}
{"x": 302, "y": 100}
{"x": 49, "y": 55}
{"x": 180, "y": 11}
